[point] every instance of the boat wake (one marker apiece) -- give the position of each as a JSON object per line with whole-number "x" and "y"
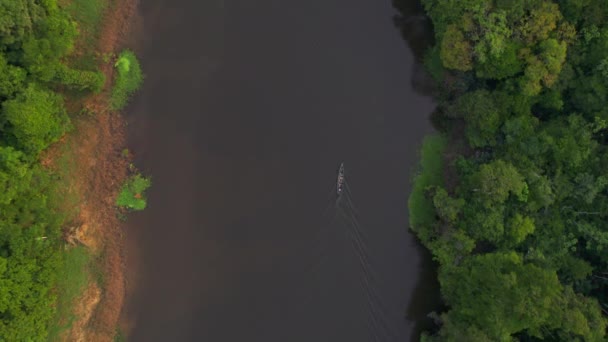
{"x": 341, "y": 211}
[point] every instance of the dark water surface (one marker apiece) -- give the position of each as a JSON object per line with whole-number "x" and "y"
{"x": 246, "y": 112}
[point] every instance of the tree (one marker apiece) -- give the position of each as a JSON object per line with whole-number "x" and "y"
{"x": 500, "y": 295}
{"x": 518, "y": 227}
{"x": 18, "y": 20}
{"x": 502, "y": 65}
{"x": 482, "y": 116}
{"x": 540, "y": 21}
{"x": 587, "y": 186}
{"x": 522, "y": 144}
{"x": 452, "y": 246}
{"x": 446, "y": 207}
{"x": 53, "y": 39}
{"x": 37, "y": 118}
{"x": 15, "y": 174}
{"x": 553, "y": 55}
{"x": 456, "y": 52}
{"x": 541, "y": 192}
{"x": 571, "y": 143}
{"x": 544, "y": 69}
{"x": 498, "y": 179}
{"x": 12, "y": 78}
{"x": 453, "y": 329}
{"x": 494, "y": 35}
{"x": 530, "y": 127}
{"x": 579, "y": 317}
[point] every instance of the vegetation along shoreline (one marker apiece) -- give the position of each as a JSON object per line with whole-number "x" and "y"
{"x": 65, "y": 175}
{"x": 512, "y": 197}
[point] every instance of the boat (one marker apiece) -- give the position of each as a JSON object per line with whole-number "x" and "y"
{"x": 340, "y": 182}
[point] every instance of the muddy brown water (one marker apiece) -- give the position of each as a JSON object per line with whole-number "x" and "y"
{"x": 247, "y": 110}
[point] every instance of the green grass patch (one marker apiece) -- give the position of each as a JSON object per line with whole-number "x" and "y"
{"x": 64, "y": 198}
{"x": 72, "y": 280}
{"x": 132, "y": 193}
{"x": 421, "y": 210}
{"x": 88, "y": 14}
{"x": 129, "y": 78}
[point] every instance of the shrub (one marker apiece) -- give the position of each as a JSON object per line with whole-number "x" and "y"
{"x": 421, "y": 208}
{"x": 132, "y": 194}
{"x": 80, "y": 80}
{"x": 128, "y": 79}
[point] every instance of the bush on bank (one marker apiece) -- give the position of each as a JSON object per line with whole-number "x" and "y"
{"x": 132, "y": 193}
{"x": 129, "y": 78}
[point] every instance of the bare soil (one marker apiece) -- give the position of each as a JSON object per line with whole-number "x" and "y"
{"x": 96, "y": 143}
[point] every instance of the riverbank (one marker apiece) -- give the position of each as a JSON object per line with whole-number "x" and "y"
{"x": 92, "y": 164}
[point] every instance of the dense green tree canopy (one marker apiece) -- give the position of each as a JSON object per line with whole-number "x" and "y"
{"x": 36, "y": 117}
{"x": 520, "y": 221}
{"x": 35, "y": 38}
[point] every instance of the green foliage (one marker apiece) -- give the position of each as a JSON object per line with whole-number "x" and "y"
{"x": 512, "y": 296}
{"x": 579, "y": 317}
{"x": 37, "y": 118}
{"x": 482, "y": 222}
{"x": 132, "y": 194}
{"x": 482, "y": 116}
{"x": 15, "y": 174}
{"x": 29, "y": 256}
{"x": 74, "y": 277}
{"x": 87, "y": 13}
{"x": 452, "y": 247}
{"x": 494, "y": 37}
{"x": 495, "y": 181}
{"x": 422, "y": 214}
{"x": 519, "y": 227}
{"x": 541, "y": 20}
{"x": 128, "y": 79}
{"x": 81, "y": 80}
{"x": 446, "y": 207}
{"x": 544, "y": 69}
{"x": 456, "y": 52}
{"x": 521, "y": 232}
{"x": 18, "y": 20}
{"x": 12, "y": 78}
{"x": 38, "y": 278}
{"x": 53, "y": 39}
{"x": 503, "y": 65}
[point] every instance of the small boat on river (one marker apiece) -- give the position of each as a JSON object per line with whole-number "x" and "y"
{"x": 340, "y": 182}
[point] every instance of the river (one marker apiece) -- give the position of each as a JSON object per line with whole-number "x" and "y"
{"x": 247, "y": 110}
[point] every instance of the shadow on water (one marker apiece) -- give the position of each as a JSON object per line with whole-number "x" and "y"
{"x": 415, "y": 26}
{"x": 417, "y": 31}
{"x": 425, "y": 296}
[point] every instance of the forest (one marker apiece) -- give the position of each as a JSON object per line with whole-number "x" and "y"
{"x": 36, "y": 37}
{"x": 512, "y": 196}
